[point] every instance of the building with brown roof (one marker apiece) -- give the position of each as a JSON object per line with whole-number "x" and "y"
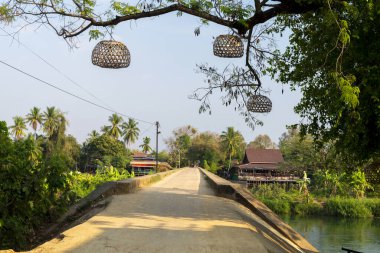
{"x": 144, "y": 164}
{"x": 261, "y": 166}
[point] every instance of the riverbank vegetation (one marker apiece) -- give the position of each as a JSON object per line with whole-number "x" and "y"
{"x": 293, "y": 202}
{"x": 333, "y": 183}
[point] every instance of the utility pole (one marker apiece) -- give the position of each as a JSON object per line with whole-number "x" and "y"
{"x": 179, "y": 158}
{"x": 157, "y": 133}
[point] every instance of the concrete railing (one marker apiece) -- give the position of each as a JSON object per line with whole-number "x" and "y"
{"x": 236, "y": 192}
{"x": 116, "y": 188}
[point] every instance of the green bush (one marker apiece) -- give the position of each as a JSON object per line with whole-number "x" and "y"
{"x": 205, "y": 165}
{"x": 373, "y": 205}
{"x": 302, "y": 208}
{"x": 34, "y": 189}
{"x": 84, "y": 183}
{"x": 37, "y": 187}
{"x": 290, "y": 201}
{"x": 347, "y": 207}
{"x": 278, "y": 206}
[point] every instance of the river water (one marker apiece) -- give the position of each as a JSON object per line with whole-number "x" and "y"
{"x": 330, "y": 234}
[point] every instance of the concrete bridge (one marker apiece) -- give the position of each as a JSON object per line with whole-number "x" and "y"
{"x": 178, "y": 214}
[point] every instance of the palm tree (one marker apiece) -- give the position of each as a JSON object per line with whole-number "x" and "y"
{"x": 19, "y": 127}
{"x": 51, "y": 120}
{"x": 93, "y": 134}
{"x": 130, "y": 131}
{"x": 116, "y": 121}
{"x": 63, "y": 123}
{"x": 105, "y": 129}
{"x": 54, "y": 122}
{"x": 35, "y": 153}
{"x": 231, "y": 141}
{"x": 34, "y": 118}
{"x": 145, "y": 146}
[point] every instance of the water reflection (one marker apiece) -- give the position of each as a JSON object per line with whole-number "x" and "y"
{"x": 329, "y": 234}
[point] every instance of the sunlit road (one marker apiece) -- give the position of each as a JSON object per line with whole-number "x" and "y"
{"x": 178, "y": 214}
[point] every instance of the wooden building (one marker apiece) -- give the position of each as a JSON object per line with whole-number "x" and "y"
{"x": 261, "y": 166}
{"x": 144, "y": 164}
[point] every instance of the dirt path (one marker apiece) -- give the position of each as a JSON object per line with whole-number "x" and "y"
{"x": 178, "y": 214}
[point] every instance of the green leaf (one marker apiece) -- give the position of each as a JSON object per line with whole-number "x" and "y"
{"x": 95, "y": 34}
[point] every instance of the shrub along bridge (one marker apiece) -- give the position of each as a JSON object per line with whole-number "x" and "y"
{"x": 181, "y": 213}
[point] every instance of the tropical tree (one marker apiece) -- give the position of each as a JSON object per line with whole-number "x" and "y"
{"x": 205, "y": 146}
{"x": 130, "y": 131}
{"x": 231, "y": 141}
{"x": 63, "y": 123}
{"x": 34, "y": 188}
{"x": 103, "y": 149}
{"x": 299, "y": 153}
{"x": 334, "y": 59}
{"x": 34, "y": 118}
{"x": 93, "y": 134}
{"x": 303, "y": 185}
{"x": 54, "y": 125}
{"x": 145, "y": 146}
{"x": 35, "y": 153}
{"x": 51, "y": 120}
{"x": 262, "y": 141}
{"x": 337, "y": 182}
{"x": 331, "y": 181}
{"x": 18, "y": 128}
{"x": 105, "y": 129}
{"x": 179, "y": 144}
{"x": 114, "y": 130}
{"x": 359, "y": 184}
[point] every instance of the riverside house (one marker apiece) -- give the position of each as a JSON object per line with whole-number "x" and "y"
{"x": 262, "y": 166}
{"x": 143, "y": 164}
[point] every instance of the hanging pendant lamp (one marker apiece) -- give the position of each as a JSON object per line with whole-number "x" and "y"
{"x": 259, "y": 104}
{"x": 111, "y": 54}
{"x": 228, "y": 46}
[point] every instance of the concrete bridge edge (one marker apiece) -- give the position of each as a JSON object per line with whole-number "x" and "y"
{"x": 241, "y": 195}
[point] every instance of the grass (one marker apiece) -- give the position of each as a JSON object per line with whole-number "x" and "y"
{"x": 292, "y": 202}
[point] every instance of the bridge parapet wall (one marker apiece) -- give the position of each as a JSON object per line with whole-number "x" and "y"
{"x": 101, "y": 193}
{"x": 226, "y": 189}
{"x": 105, "y": 190}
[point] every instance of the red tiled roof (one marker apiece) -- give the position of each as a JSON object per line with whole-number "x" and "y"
{"x": 258, "y": 156}
{"x": 140, "y": 155}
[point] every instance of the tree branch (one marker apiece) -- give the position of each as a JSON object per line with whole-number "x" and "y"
{"x": 165, "y": 10}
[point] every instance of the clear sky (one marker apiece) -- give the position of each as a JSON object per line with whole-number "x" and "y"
{"x": 155, "y": 87}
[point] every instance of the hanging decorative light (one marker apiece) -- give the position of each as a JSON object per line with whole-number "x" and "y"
{"x": 228, "y": 46}
{"x": 111, "y": 54}
{"x": 259, "y": 103}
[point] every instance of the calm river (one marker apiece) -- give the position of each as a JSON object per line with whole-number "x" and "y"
{"x": 329, "y": 234}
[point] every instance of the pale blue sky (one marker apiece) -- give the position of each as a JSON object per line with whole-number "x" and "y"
{"x": 155, "y": 87}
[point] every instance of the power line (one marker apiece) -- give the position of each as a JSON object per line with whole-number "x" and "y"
{"x": 71, "y": 94}
{"x": 146, "y": 130}
{"x": 56, "y": 69}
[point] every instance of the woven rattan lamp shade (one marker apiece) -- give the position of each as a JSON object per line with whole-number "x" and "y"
{"x": 259, "y": 103}
{"x": 111, "y": 54}
{"x": 228, "y": 46}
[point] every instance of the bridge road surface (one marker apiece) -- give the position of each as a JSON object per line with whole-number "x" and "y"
{"x": 179, "y": 214}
